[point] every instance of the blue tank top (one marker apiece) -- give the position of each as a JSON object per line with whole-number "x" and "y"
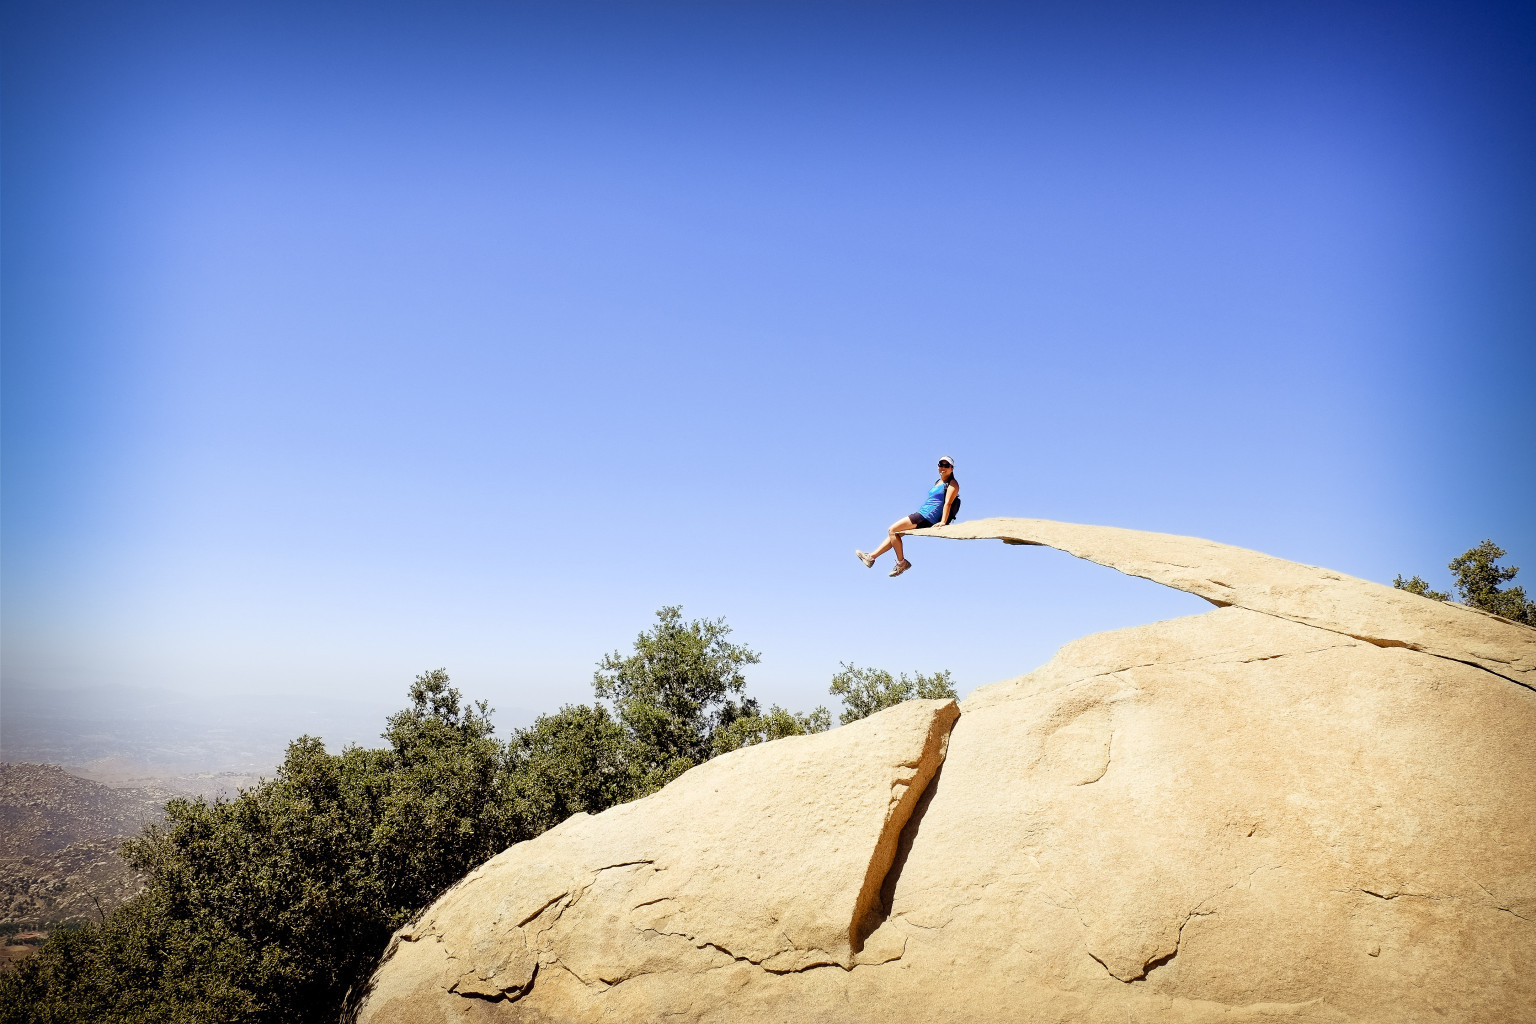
{"x": 933, "y": 508}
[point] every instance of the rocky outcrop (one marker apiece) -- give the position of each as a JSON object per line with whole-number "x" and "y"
{"x": 1314, "y": 803}
{"x": 1227, "y": 576}
{"x": 692, "y": 878}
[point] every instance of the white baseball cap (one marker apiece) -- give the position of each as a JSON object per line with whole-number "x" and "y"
{"x": 946, "y": 458}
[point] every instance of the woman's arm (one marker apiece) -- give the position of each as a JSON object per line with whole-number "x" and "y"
{"x": 949, "y": 497}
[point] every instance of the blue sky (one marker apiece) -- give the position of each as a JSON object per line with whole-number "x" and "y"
{"x": 341, "y": 342}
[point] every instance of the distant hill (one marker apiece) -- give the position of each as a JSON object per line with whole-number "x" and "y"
{"x": 58, "y": 847}
{"x": 44, "y": 809}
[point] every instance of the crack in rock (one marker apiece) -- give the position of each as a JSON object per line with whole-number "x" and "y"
{"x": 495, "y": 995}
{"x": 1157, "y": 961}
{"x": 1397, "y": 895}
{"x": 541, "y": 910}
{"x": 763, "y": 963}
{"x": 1108, "y": 757}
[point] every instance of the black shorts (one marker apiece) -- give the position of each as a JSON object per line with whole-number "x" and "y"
{"x": 920, "y": 521}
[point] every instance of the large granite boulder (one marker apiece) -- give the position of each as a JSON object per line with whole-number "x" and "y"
{"x": 1315, "y": 803}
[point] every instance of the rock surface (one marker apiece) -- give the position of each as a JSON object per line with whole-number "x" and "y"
{"x": 1315, "y": 803}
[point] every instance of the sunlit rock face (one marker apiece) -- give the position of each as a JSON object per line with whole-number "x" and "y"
{"x": 1315, "y": 803}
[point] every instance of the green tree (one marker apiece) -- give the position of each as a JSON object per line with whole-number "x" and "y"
{"x": 142, "y": 966}
{"x": 867, "y": 690}
{"x": 435, "y": 794}
{"x": 679, "y": 686}
{"x": 773, "y": 724}
{"x": 577, "y": 760}
{"x": 1480, "y": 583}
{"x": 1418, "y": 586}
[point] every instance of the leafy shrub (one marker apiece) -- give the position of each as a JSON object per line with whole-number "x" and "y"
{"x": 674, "y": 692}
{"x": 773, "y": 724}
{"x": 564, "y": 764}
{"x": 1480, "y": 583}
{"x": 867, "y": 690}
{"x": 1420, "y": 587}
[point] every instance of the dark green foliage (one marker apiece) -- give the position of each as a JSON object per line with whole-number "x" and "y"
{"x": 867, "y": 690}
{"x": 140, "y": 967}
{"x": 773, "y": 724}
{"x": 441, "y": 810}
{"x": 1418, "y": 586}
{"x": 1480, "y": 583}
{"x": 674, "y": 692}
{"x": 577, "y": 760}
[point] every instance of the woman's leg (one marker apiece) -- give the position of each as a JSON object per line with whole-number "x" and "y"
{"x": 893, "y": 539}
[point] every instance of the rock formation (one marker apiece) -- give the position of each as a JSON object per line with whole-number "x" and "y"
{"x": 1315, "y": 803}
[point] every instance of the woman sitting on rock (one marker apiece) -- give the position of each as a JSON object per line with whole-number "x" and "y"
{"x": 939, "y": 509}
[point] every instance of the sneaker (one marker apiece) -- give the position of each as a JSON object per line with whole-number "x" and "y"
{"x": 901, "y": 567}
{"x": 868, "y": 560}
